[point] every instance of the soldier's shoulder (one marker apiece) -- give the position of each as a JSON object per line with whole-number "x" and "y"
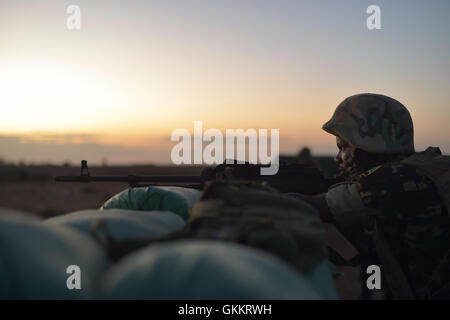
{"x": 389, "y": 170}
{"x": 392, "y": 177}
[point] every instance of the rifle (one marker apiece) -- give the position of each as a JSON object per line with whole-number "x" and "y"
{"x": 289, "y": 178}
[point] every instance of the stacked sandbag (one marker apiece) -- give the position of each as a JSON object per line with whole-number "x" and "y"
{"x": 242, "y": 241}
{"x": 175, "y": 199}
{"x": 35, "y": 258}
{"x": 208, "y": 269}
{"x": 120, "y": 225}
{"x": 258, "y": 216}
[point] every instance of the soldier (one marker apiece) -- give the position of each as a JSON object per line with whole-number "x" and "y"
{"x": 304, "y": 157}
{"x": 393, "y": 203}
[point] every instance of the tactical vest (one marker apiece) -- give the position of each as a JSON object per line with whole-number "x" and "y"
{"x": 436, "y": 167}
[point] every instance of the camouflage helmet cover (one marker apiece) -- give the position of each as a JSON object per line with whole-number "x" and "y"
{"x": 374, "y": 123}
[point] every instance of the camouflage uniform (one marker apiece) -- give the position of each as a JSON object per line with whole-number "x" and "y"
{"x": 406, "y": 207}
{"x": 402, "y": 201}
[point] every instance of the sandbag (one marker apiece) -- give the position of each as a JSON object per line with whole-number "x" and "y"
{"x": 258, "y": 216}
{"x": 34, "y": 258}
{"x": 208, "y": 269}
{"x": 175, "y": 199}
{"x": 18, "y": 215}
{"x": 121, "y": 225}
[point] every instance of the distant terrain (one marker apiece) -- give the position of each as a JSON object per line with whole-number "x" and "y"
{"x": 33, "y": 189}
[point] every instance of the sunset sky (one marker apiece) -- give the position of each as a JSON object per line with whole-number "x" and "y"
{"x": 138, "y": 70}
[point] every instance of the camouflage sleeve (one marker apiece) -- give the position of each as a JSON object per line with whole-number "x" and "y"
{"x": 346, "y": 205}
{"x": 389, "y": 191}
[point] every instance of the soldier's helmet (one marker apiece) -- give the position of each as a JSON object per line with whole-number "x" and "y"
{"x": 373, "y": 123}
